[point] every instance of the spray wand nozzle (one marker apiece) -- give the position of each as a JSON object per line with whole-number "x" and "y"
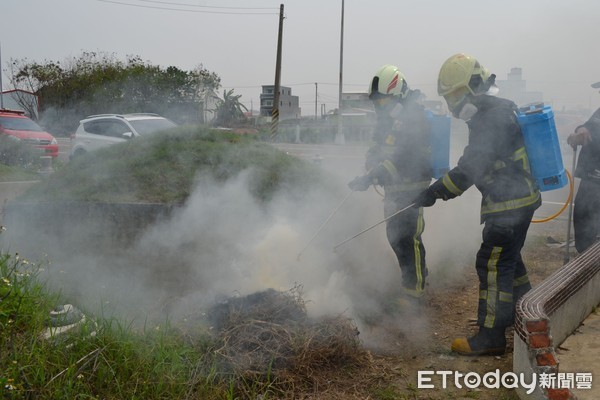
{"x": 373, "y": 226}
{"x": 323, "y": 224}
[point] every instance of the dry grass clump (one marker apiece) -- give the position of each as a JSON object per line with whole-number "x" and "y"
{"x": 267, "y": 335}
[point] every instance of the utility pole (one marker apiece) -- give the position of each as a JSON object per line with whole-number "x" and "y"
{"x": 339, "y": 136}
{"x": 275, "y": 110}
{"x": 316, "y": 91}
{"x": 1, "y": 87}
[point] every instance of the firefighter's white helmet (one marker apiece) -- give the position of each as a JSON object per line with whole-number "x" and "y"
{"x": 388, "y": 81}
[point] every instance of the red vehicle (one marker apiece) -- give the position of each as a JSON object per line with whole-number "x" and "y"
{"x": 16, "y": 124}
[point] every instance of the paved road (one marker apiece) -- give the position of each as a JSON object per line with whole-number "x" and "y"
{"x": 64, "y": 146}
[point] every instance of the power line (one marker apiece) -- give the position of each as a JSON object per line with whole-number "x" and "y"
{"x": 188, "y": 10}
{"x": 200, "y": 6}
{"x": 242, "y": 87}
{"x": 289, "y": 84}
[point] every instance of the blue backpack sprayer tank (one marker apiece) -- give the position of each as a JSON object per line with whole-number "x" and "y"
{"x": 541, "y": 144}
{"x": 440, "y": 143}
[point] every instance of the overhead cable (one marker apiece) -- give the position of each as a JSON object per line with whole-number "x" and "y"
{"x": 189, "y": 10}
{"x": 201, "y": 6}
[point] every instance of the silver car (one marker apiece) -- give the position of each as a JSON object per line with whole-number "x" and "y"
{"x": 97, "y": 131}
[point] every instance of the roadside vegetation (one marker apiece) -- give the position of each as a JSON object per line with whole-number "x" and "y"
{"x": 164, "y": 168}
{"x": 99, "y": 82}
{"x": 14, "y": 174}
{"x": 18, "y": 161}
{"x": 103, "y": 359}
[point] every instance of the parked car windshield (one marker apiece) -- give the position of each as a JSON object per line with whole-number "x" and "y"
{"x": 20, "y": 124}
{"x": 146, "y": 126}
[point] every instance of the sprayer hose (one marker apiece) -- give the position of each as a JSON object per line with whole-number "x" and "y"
{"x": 571, "y": 189}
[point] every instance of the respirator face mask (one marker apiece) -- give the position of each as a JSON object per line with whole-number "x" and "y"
{"x": 460, "y": 105}
{"x": 467, "y": 111}
{"x": 389, "y": 107}
{"x": 396, "y": 111}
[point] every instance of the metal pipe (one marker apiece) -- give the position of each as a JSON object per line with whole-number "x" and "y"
{"x": 567, "y": 255}
{"x": 1, "y": 87}
{"x": 339, "y": 137}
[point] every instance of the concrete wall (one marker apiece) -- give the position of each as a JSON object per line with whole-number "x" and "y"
{"x": 549, "y": 313}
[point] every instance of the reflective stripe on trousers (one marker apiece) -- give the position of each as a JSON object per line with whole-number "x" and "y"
{"x": 404, "y": 235}
{"x": 501, "y": 271}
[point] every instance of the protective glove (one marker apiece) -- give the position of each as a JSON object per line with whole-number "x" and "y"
{"x": 581, "y": 137}
{"x": 360, "y": 183}
{"x": 426, "y": 198}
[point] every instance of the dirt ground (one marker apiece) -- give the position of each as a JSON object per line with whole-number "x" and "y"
{"x": 394, "y": 370}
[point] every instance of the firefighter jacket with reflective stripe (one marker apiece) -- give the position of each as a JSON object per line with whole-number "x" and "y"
{"x": 588, "y": 163}
{"x": 495, "y": 161}
{"x": 400, "y": 160}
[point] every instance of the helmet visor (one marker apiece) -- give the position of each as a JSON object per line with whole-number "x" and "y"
{"x": 456, "y": 97}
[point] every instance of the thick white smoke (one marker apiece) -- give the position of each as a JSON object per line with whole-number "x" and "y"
{"x": 223, "y": 242}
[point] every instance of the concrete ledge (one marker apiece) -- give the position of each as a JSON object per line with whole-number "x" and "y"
{"x": 549, "y": 313}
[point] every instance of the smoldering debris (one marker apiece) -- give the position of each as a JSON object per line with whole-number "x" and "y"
{"x": 270, "y": 332}
{"x": 269, "y": 305}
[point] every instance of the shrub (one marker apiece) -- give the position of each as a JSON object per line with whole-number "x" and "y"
{"x": 13, "y": 152}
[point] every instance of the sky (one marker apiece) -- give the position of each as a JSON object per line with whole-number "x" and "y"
{"x": 552, "y": 41}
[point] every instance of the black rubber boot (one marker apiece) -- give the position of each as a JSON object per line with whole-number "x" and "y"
{"x": 487, "y": 342}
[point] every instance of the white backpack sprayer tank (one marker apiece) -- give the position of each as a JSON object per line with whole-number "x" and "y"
{"x": 542, "y": 146}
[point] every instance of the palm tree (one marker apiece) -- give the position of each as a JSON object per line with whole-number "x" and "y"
{"x": 229, "y": 109}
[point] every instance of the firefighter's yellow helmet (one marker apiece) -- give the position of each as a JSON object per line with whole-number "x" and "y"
{"x": 388, "y": 81}
{"x": 462, "y": 70}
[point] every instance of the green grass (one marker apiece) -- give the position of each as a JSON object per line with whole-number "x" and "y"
{"x": 103, "y": 359}
{"x": 16, "y": 174}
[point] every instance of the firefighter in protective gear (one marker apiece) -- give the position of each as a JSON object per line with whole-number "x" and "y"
{"x": 400, "y": 162}
{"x": 495, "y": 161}
{"x": 586, "y": 214}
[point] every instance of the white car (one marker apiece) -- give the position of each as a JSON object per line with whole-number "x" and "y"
{"x": 102, "y": 130}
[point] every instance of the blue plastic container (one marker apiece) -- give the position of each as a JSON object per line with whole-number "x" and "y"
{"x": 440, "y": 143}
{"x": 541, "y": 143}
